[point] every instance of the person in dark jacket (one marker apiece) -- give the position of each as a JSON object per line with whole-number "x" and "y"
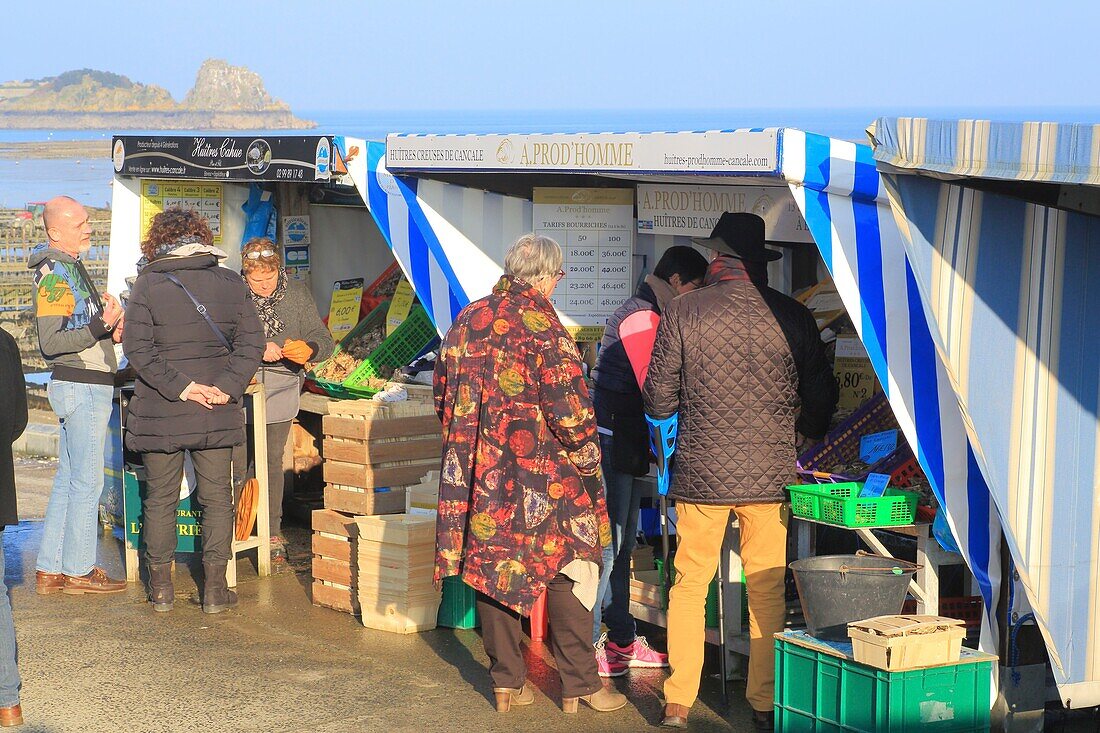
{"x": 745, "y": 368}
{"x": 191, "y": 376}
{"x": 625, "y": 445}
{"x": 13, "y": 421}
{"x": 295, "y": 335}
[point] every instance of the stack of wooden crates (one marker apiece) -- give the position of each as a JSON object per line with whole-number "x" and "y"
{"x": 395, "y": 564}
{"x": 372, "y": 452}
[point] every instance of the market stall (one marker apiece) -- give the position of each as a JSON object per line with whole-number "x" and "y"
{"x": 450, "y": 205}
{"x": 294, "y": 190}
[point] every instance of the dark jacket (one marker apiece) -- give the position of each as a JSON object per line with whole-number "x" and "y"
{"x": 170, "y": 345}
{"x": 13, "y": 421}
{"x": 283, "y": 380}
{"x": 744, "y": 366}
{"x": 74, "y": 341}
{"x": 617, "y": 397}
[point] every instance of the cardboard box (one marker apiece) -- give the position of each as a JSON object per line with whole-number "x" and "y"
{"x": 898, "y": 643}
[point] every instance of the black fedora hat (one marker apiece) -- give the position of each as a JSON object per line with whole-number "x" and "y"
{"x": 739, "y": 235}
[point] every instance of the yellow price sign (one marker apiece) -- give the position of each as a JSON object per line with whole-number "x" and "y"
{"x": 400, "y": 305}
{"x": 343, "y": 311}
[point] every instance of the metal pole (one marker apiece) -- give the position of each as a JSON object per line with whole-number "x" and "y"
{"x": 722, "y": 663}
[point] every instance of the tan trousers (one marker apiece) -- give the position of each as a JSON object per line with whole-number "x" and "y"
{"x": 700, "y": 530}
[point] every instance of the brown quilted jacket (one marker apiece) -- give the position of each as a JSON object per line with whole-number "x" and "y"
{"x": 743, "y": 365}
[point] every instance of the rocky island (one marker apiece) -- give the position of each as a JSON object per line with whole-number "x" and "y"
{"x": 224, "y": 97}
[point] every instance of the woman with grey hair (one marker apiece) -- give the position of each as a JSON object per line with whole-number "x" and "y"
{"x": 521, "y": 502}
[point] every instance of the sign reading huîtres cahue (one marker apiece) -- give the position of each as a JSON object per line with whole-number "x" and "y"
{"x": 303, "y": 158}
{"x": 595, "y": 228}
{"x": 739, "y": 151}
{"x": 692, "y": 211}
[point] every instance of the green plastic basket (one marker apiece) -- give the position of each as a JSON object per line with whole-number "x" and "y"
{"x": 458, "y": 610}
{"x": 840, "y": 504}
{"x": 399, "y": 348}
{"x": 337, "y": 389}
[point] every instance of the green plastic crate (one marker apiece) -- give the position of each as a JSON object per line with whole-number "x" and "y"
{"x": 459, "y": 607}
{"x": 841, "y": 504}
{"x": 400, "y": 347}
{"x": 373, "y": 319}
{"x": 816, "y": 692}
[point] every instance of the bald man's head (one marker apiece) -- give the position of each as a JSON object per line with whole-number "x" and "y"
{"x": 67, "y": 225}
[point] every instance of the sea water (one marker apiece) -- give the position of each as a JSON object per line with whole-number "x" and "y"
{"x": 89, "y": 181}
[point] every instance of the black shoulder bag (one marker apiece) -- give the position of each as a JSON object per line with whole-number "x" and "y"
{"x": 202, "y": 312}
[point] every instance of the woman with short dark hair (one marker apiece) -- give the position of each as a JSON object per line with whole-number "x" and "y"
{"x": 195, "y": 341}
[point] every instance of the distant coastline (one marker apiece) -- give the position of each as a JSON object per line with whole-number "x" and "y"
{"x": 189, "y": 120}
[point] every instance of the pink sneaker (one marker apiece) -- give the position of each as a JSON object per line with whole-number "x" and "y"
{"x": 608, "y": 667}
{"x": 638, "y": 654}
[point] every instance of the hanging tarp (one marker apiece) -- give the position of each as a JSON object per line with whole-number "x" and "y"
{"x": 1011, "y": 291}
{"x": 840, "y": 193}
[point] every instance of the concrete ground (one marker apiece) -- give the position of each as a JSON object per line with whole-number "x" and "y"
{"x": 276, "y": 663}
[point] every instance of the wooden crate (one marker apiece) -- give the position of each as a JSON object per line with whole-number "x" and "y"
{"x": 397, "y": 529}
{"x": 384, "y": 450}
{"x": 898, "y": 643}
{"x": 377, "y": 477}
{"x": 334, "y": 581}
{"x": 357, "y": 501}
{"x": 401, "y": 616}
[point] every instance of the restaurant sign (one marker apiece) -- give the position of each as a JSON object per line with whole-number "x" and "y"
{"x": 302, "y": 159}
{"x": 735, "y": 152}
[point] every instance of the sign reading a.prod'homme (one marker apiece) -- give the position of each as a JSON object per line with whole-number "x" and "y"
{"x": 303, "y": 159}
{"x": 739, "y": 151}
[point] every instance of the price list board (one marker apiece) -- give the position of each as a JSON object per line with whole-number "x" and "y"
{"x": 205, "y": 198}
{"x": 595, "y": 228}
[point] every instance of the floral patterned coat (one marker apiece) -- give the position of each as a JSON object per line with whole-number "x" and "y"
{"x": 520, "y": 493}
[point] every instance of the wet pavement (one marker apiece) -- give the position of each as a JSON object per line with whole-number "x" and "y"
{"x": 277, "y": 663}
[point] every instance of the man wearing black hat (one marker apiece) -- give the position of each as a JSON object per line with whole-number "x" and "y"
{"x": 745, "y": 368}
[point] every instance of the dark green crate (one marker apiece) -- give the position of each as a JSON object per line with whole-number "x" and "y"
{"x": 414, "y": 334}
{"x": 458, "y": 609}
{"x": 816, "y": 692}
{"x": 841, "y": 504}
{"x": 337, "y": 389}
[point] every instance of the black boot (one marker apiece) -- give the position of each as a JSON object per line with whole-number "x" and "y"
{"x": 161, "y": 593}
{"x": 216, "y": 596}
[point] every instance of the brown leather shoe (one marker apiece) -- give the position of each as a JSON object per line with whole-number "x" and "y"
{"x": 46, "y": 583}
{"x": 11, "y": 717}
{"x": 96, "y": 581}
{"x": 676, "y": 716}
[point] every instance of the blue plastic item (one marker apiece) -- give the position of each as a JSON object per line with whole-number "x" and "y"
{"x": 662, "y": 440}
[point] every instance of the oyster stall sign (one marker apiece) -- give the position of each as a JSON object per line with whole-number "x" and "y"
{"x": 301, "y": 158}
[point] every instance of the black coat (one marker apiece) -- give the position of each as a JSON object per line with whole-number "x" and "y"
{"x": 13, "y": 421}
{"x": 617, "y": 397}
{"x": 170, "y": 345}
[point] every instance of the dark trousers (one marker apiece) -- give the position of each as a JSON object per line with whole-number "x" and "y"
{"x": 570, "y": 640}
{"x": 163, "y": 475}
{"x": 243, "y": 460}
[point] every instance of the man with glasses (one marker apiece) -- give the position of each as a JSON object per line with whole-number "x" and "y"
{"x": 625, "y": 444}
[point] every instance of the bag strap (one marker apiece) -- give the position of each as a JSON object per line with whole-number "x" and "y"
{"x": 202, "y": 312}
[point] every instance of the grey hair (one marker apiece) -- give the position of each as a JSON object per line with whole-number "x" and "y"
{"x": 533, "y": 257}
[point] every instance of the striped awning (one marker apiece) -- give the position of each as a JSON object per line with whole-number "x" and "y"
{"x": 898, "y": 279}
{"x": 1030, "y": 151}
{"x": 1011, "y": 295}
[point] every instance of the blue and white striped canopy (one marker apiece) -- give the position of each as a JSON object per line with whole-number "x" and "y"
{"x": 974, "y": 312}
{"x": 1010, "y": 290}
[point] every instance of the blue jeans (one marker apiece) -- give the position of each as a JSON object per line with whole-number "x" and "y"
{"x": 9, "y": 671}
{"x": 624, "y": 498}
{"x": 69, "y": 531}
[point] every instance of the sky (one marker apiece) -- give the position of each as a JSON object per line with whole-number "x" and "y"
{"x": 586, "y": 54}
